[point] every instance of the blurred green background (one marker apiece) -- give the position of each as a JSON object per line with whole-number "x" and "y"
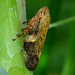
{"x": 58, "y": 54}
{"x": 57, "y": 57}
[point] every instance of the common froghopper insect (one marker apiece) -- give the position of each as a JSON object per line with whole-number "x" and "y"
{"x": 33, "y": 43}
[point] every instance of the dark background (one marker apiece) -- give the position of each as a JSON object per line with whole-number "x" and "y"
{"x": 58, "y": 49}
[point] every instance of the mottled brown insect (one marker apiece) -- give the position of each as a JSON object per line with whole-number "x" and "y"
{"x": 34, "y": 41}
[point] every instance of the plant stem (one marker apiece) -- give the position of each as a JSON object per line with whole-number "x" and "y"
{"x": 59, "y": 23}
{"x": 12, "y": 14}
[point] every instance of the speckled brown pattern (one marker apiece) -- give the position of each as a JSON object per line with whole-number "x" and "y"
{"x": 34, "y": 41}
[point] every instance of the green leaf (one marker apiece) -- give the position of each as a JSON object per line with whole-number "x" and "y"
{"x": 12, "y": 14}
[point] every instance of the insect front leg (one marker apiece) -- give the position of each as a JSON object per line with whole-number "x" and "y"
{"x": 23, "y": 29}
{"x": 19, "y": 35}
{"x": 26, "y": 22}
{"x": 22, "y": 32}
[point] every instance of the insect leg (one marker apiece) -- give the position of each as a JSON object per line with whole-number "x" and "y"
{"x": 19, "y": 36}
{"x": 22, "y": 47}
{"x": 26, "y": 22}
{"x": 22, "y": 30}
